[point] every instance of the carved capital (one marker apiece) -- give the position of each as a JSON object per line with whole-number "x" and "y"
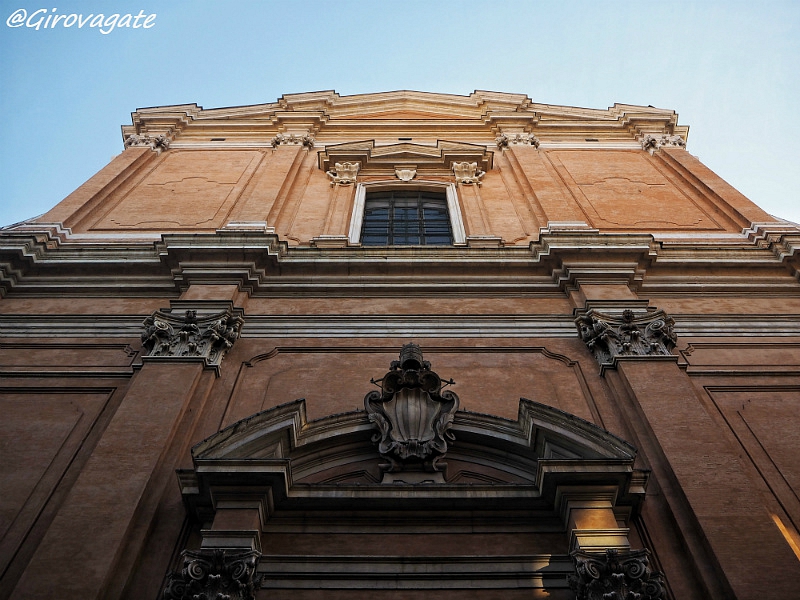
{"x": 412, "y": 413}
{"x": 615, "y": 575}
{"x": 611, "y": 336}
{"x": 343, "y": 173}
{"x": 287, "y": 139}
{"x": 651, "y": 143}
{"x": 467, "y": 173}
{"x": 214, "y": 573}
{"x": 157, "y": 143}
{"x": 168, "y": 335}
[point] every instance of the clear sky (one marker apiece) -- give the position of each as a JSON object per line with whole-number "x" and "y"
{"x": 730, "y": 69}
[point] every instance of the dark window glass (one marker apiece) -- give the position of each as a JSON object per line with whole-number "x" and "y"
{"x": 406, "y": 218}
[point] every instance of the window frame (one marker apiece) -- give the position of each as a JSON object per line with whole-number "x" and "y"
{"x": 453, "y": 207}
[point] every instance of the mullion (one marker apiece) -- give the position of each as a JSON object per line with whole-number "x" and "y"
{"x": 404, "y": 218}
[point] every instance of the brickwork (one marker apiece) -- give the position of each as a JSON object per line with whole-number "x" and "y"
{"x": 645, "y": 311}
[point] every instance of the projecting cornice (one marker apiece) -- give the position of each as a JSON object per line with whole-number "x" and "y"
{"x": 46, "y": 259}
{"x": 481, "y": 117}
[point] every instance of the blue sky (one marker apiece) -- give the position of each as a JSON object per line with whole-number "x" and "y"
{"x": 730, "y": 69}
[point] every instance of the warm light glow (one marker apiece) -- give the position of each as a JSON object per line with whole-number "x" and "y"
{"x": 787, "y": 535}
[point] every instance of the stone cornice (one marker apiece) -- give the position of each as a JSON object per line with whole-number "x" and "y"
{"x": 44, "y": 259}
{"x": 482, "y": 113}
{"x": 99, "y": 326}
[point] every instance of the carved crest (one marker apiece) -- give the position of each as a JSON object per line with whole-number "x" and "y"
{"x": 405, "y": 174}
{"x": 412, "y": 414}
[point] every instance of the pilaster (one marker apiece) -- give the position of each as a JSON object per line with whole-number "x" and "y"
{"x": 102, "y": 526}
{"x": 679, "y": 437}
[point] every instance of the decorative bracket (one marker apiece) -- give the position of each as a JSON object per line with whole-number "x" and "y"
{"x": 610, "y": 336}
{"x": 615, "y": 575}
{"x": 168, "y": 336}
{"x": 412, "y": 414}
{"x": 214, "y": 574}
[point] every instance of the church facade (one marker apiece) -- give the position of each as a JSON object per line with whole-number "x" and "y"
{"x": 396, "y": 344}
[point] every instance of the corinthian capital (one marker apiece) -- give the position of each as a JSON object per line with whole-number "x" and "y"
{"x": 615, "y": 574}
{"x": 214, "y": 573}
{"x": 187, "y": 336}
{"x": 611, "y": 336}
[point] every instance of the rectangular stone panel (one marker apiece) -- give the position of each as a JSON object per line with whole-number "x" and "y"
{"x": 622, "y": 189}
{"x": 41, "y": 433}
{"x": 187, "y": 189}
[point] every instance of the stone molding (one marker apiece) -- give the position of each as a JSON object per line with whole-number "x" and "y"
{"x": 167, "y": 336}
{"x": 477, "y": 115}
{"x": 412, "y": 414}
{"x": 610, "y": 337}
{"x": 747, "y": 327}
{"x": 383, "y": 160}
{"x": 241, "y": 256}
{"x": 214, "y": 574}
{"x": 615, "y": 575}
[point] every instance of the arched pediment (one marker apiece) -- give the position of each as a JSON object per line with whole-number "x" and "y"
{"x": 334, "y": 461}
{"x": 539, "y": 433}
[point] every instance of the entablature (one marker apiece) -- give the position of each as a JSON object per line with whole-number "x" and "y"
{"x": 332, "y": 118}
{"x": 40, "y": 259}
